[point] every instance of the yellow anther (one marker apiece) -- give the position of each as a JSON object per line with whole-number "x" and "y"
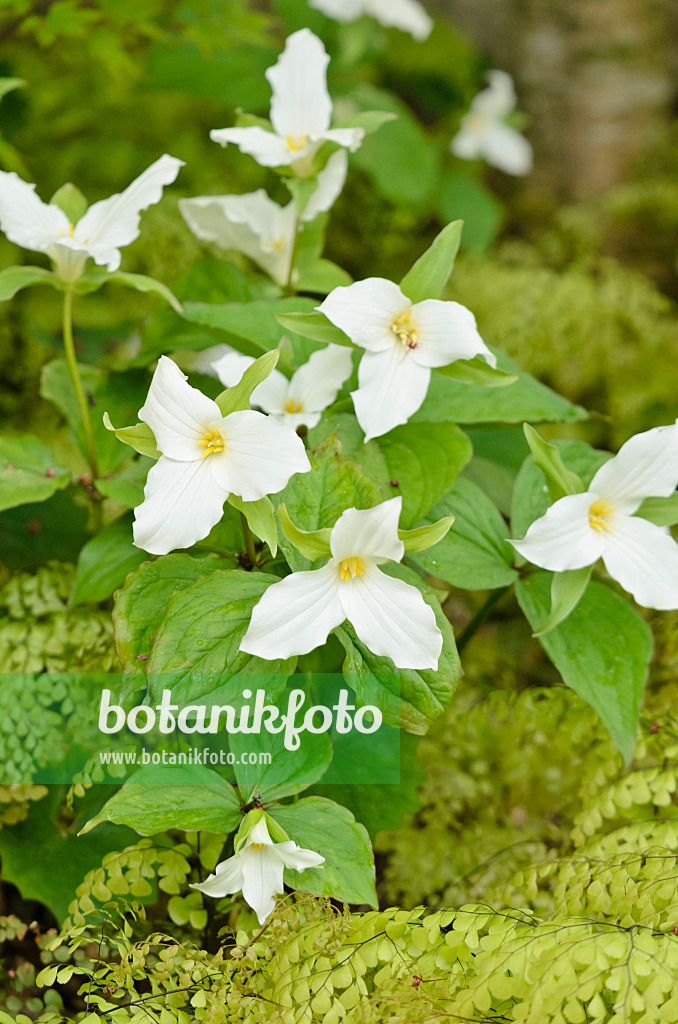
{"x": 213, "y": 442}
{"x": 351, "y": 567}
{"x": 403, "y": 329}
{"x": 258, "y": 846}
{"x": 71, "y": 231}
{"x": 292, "y": 406}
{"x": 278, "y": 244}
{"x": 296, "y": 144}
{"x": 598, "y": 513}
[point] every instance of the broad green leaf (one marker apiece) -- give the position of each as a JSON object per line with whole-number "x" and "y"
{"x": 70, "y": 201}
{"x": 105, "y": 562}
{"x": 425, "y": 536}
{"x": 430, "y": 273}
{"x": 410, "y": 699}
{"x": 559, "y": 480}
{"x": 93, "y": 279}
{"x": 458, "y": 195}
{"x": 369, "y": 120}
{"x": 602, "y": 650}
{"x": 477, "y": 371}
{"x": 160, "y": 797}
{"x": 237, "y": 398}
{"x": 311, "y": 544}
{"x": 322, "y": 276}
{"x": 475, "y": 554}
{"x": 10, "y": 84}
{"x": 28, "y": 472}
{"x": 13, "y": 279}
{"x": 660, "y": 511}
{"x": 314, "y": 325}
{"x": 254, "y": 323}
{"x": 140, "y": 437}
{"x": 567, "y": 590}
{"x": 127, "y": 488}
{"x": 289, "y": 772}
{"x": 260, "y": 519}
{"x": 316, "y": 823}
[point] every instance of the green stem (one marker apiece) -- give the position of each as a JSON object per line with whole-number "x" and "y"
{"x": 250, "y": 549}
{"x": 479, "y": 617}
{"x": 289, "y": 287}
{"x": 77, "y": 383}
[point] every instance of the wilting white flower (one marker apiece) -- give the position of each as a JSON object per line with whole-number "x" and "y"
{"x": 389, "y": 616}
{"x": 99, "y": 233}
{"x": 301, "y": 400}
{"x": 408, "y": 15}
{"x": 600, "y": 523}
{"x": 484, "y": 133}
{"x": 205, "y": 457}
{"x": 258, "y": 227}
{"x": 257, "y": 869}
{"x": 301, "y": 109}
{"x": 403, "y": 341}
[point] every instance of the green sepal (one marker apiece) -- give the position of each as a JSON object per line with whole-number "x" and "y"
{"x": 70, "y": 201}
{"x": 96, "y": 277}
{"x": 140, "y": 437}
{"x": 567, "y": 590}
{"x": 369, "y": 120}
{"x": 660, "y": 511}
{"x": 301, "y": 189}
{"x": 13, "y": 279}
{"x": 260, "y": 519}
{"x": 315, "y": 326}
{"x": 252, "y": 818}
{"x": 560, "y": 480}
{"x": 429, "y": 275}
{"x": 237, "y": 398}
{"x": 311, "y": 544}
{"x": 243, "y": 120}
{"x": 425, "y": 536}
{"x": 477, "y": 372}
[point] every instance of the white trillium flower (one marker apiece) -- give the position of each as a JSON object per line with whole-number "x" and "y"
{"x": 485, "y": 135}
{"x": 99, "y": 233}
{"x": 257, "y": 869}
{"x": 301, "y": 400}
{"x": 390, "y": 617}
{"x": 600, "y": 523}
{"x": 301, "y": 109}
{"x": 407, "y": 15}
{"x": 256, "y": 226}
{"x": 205, "y": 457}
{"x": 403, "y": 341}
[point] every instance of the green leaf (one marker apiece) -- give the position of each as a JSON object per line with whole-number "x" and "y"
{"x": 28, "y": 472}
{"x": 13, "y": 279}
{"x": 602, "y": 651}
{"x": 559, "y": 480}
{"x": 93, "y": 279}
{"x": 477, "y": 371}
{"x": 425, "y": 536}
{"x": 316, "y": 823}
{"x": 10, "y": 84}
{"x": 311, "y": 544}
{"x": 140, "y": 437}
{"x": 289, "y": 772}
{"x": 475, "y": 554}
{"x": 660, "y": 511}
{"x": 315, "y": 326}
{"x": 369, "y": 120}
{"x": 322, "y": 276}
{"x": 408, "y": 698}
{"x": 567, "y": 590}
{"x": 254, "y": 323}
{"x": 430, "y": 273}
{"x": 237, "y": 398}
{"x": 70, "y": 201}
{"x": 105, "y": 562}
{"x": 127, "y": 487}
{"x": 260, "y": 519}
{"x": 160, "y": 797}
{"x": 458, "y": 195}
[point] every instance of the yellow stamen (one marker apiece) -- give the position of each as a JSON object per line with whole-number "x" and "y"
{"x": 403, "y": 328}
{"x": 296, "y": 144}
{"x": 351, "y": 567}
{"x": 278, "y": 244}
{"x": 258, "y": 846}
{"x": 292, "y": 406}
{"x": 598, "y": 513}
{"x": 71, "y": 232}
{"x": 213, "y": 442}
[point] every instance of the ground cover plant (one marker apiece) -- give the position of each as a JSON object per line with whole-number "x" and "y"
{"x": 339, "y": 649}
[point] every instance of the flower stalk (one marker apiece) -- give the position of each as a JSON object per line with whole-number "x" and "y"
{"x": 78, "y": 389}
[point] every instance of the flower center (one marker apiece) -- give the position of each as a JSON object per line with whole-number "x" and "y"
{"x": 213, "y": 442}
{"x": 70, "y": 232}
{"x": 404, "y": 331}
{"x": 476, "y": 123}
{"x": 598, "y": 513}
{"x": 278, "y": 244}
{"x": 295, "y": 145}
{"x": 258, "y": 846}
{"x": 351, "y": 567}
{"x": 292, "y": 406}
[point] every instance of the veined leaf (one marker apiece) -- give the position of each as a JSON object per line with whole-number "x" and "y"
{"x": 314, "y": 325}
{"x": 477, "y": 371}
{"x": 13, "y": 279}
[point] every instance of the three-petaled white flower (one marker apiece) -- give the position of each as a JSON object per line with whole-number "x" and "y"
{"x": 600, "y": 523}
{"x": 484, "y": 133}
{"x": 301, "y": 109}
{"x": 256, "y": 226}
{"x": 205, "y": 457}
{"x": 99, "y": 233}
{"x": 301, "y": 400}
{"x": 408, "y": 15}
{"x": 403, "y": 342}
{"x": 257, "y": 869}
{"x": 389, "y": 616}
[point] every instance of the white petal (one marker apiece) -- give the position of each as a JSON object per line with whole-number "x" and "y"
{"x": 272, "y": 394}
{"x": 182, "y": 502}
{"x": 504, "y": 147}
{"x": 562, "y": 538}
{"x": 499, "y": 99}
{"x": 366, "y": 310}
{"x": 259, "y": 833}
{"x": 447, "y": 331}
{"x": 113, "y": 222}
{"x": 392, "y": 619}
{"x": 296, "y": 615}
{"x": 262, "y": 879}
{"x": 300, "y": 105}
{"x": 297, "y": 419}
{"x": 330, "y": 183}
{"x": 407, "y": 15}
{"x": 25, "y": 219}
{"x": 267, "y": 148}
{"x": 203, "y": 362}
{"x": 369, "y": 533}
{"x": 467, "y": 143}
{"x": 259, "y": 455}
{"x": 297, "y": 857}
{"x": 644, "y": 559}
{"x": 392, "y": 388}
{"x": 645, "y": 467}
{"x": 178, "y": 414}
{"x": 340, "y": 10}
{"x": 316, "y": 384}
{"x": 230, "y": 367}
{"x": 226, "y": 879}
